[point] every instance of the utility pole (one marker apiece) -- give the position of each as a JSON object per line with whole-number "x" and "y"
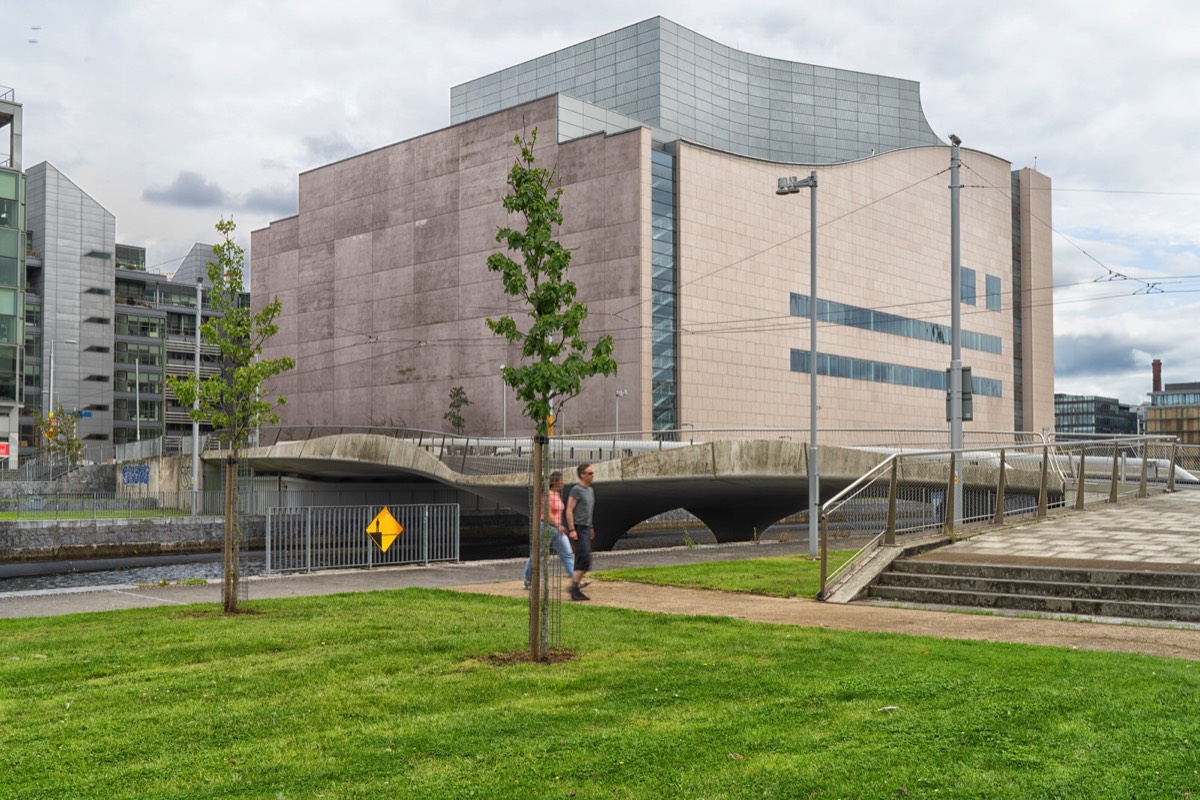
{"x": 956, "y": 387}
{"x": 792, "y": 186}
{"x": 196, "y": 404}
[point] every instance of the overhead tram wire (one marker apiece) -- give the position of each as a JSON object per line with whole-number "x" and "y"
{"x": 791, "y": 239}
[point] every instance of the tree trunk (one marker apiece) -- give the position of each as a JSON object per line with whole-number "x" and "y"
{"x": 537, "y": 611}
{"x": 229, "y": 585}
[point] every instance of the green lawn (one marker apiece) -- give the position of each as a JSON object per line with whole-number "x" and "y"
{"x": 781, "y": 576}
{"x": 395, "y": 694}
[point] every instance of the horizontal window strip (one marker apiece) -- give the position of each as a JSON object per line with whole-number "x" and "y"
{"x": 860, "y": 369}
{"x": 881, "y": 322}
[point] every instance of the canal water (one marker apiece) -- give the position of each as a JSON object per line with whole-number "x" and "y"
{"x": 95, "y": 573}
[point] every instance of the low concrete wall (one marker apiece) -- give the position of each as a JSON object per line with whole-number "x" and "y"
{"x": 88, "y": 479}
{"x": 71, "y": 539}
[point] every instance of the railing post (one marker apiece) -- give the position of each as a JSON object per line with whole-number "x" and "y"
{"x": 1044, "y": 490}
{"x": 823, "y": 532}
{"x": 1079, "y": 479}
{"x": 1112, "y": 492}
{"x": 1001, "y": 486}
{"x": 1142, "y": 490}
{"x": 425, "y": 538}
{"x": 1171, "y": 476}
{"x": 267, "y": 545}
{"x": 889, "y": 534}
{"x": 308, "y": 543}
{"x": 948, "y": 523}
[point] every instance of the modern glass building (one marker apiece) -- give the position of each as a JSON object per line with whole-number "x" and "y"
{"x": 1091, "y": 415}
{"x": 1175, "y": 411}
{"x": 101, "y": 333}
{"x": 13, "y": 252}
{"x": 668, "y": 146}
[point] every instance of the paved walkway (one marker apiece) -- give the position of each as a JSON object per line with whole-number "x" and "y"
{"x": 1162, "y": 531}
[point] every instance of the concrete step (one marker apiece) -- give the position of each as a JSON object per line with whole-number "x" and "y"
{"x": 1085, "y": 591}
{"x": 1040, "y": 604}
{"x": 1171, "y": 595}
{"x": 1115, "y": 577}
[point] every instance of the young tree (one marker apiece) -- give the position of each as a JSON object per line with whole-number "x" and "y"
{"x": 234, "y": 401}
{"x": 555, "y": 356}
{"x": 60, "y": 432}
{"x": 457, "y": 402}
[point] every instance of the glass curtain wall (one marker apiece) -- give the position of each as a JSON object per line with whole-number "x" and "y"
{"x": 663, "y": 348}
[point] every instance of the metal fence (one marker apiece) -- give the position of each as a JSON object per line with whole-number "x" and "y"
{"x": 911, "y": 493}
{"x": 111, "y": 505}
{"x": 335, "y": 537}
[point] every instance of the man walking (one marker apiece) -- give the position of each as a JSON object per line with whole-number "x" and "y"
{"x": 579, "y": 526}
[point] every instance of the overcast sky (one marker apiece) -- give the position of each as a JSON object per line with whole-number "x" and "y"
{"x": 173, "y": 112}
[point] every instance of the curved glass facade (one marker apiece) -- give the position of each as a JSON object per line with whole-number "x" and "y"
{"x": 674, "y": 79}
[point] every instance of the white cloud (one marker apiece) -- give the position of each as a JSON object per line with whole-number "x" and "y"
{"x": 217, "y": 107}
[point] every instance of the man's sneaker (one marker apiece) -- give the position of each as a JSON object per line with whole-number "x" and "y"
{"x": 576, "y": 594}
{"x": 526, "y": 585}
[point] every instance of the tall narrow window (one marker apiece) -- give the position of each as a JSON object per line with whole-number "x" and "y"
{"x": 664, "y": 380}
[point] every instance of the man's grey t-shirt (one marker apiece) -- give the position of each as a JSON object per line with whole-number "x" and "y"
{"x": 585, "y": 498}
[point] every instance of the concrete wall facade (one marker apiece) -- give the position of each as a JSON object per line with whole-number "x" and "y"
{"x": 384, "y": 283}
{"x": 883, "y": 243}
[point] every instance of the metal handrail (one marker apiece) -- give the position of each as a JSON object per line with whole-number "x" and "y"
{"x": 1117, "y": 445}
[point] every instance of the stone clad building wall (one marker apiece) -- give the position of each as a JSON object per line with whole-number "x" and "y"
{"x": 384, "y": 282}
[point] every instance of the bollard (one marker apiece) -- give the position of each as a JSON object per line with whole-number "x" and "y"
{"x": 1142, "y": 483}
{"x": 1001, "y": 485}
{"x": 1080, "y": 480}
{"x": 1043, "y": 492}
{"x": 1112, "y": 492}
{"x": 948, "y": 524}
{"x": 889, "y": 534}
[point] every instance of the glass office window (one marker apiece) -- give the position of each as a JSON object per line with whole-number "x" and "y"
{"x": 883, "y": 322}
{"x": 993, "y": 292}
{"x": 881, "y": 372}
{"x": 968, "y": 285}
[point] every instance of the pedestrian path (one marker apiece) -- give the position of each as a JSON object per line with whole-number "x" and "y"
{"x": 1162, "y": 530}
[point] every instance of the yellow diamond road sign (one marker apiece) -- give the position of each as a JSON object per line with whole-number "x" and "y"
{"x": 384, "y": 529}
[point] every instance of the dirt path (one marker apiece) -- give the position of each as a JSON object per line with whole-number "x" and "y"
{"x": 1118, "y": 636}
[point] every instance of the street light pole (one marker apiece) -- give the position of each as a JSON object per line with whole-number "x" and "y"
{"x": 50, "y": 401}
{"x": 503, "y": 403}
{"x": 793, "y": 185}
{"x": 620, "y": 393}
{"x": 956, "y": 375}
{"x": 196, "y": 403}
{"x": 137, "y": 401}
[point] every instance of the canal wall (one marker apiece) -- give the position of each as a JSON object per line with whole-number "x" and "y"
{"x": 53, "y": 540}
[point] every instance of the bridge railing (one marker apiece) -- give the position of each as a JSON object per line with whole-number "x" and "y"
{"x": 915, "y": 493}
{"x": 499, "y": 455}
{"x": 310, "y": 538}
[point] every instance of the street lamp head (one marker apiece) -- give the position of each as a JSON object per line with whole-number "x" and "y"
{"x": 622, "y": 392}
{"x": 955, "y": 140}
{"x": 793, "y": 184}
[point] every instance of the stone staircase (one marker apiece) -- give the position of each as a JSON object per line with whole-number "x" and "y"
{"x": 1134, "y": 593}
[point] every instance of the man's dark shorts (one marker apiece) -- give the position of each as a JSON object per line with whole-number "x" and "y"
{"x": 582, "y": 548}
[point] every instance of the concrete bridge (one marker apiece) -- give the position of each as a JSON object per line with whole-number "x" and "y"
{"x": 735, "y": 487}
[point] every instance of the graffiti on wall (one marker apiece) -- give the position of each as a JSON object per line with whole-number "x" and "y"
{"x": 135, "y": 475}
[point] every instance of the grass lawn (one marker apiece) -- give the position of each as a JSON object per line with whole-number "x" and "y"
{"x": 780, "y": 576}
{"x": 395, "y": 694}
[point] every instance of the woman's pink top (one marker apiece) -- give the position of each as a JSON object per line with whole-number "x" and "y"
{"x": 556, "y": 508}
